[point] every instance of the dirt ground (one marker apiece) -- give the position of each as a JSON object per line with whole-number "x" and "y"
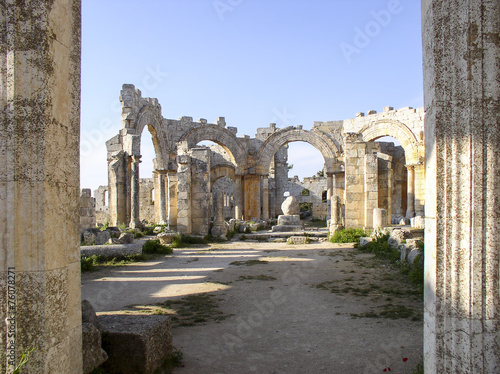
{"x": 276, "y": 308}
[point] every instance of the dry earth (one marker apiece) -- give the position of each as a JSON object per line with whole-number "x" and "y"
{"x": 314, "y": 308}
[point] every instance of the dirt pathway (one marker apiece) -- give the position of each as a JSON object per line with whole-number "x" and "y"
{"x": 284, "y": 309}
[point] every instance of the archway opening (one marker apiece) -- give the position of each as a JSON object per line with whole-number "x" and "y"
{"x": 395, "y": 184}
{"x": 148, "y": 182}
{"x": 299, "y": 169}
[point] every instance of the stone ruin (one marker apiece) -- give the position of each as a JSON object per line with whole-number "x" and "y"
{"x": 39, "y": 191}
{"x": 362, "y": 175}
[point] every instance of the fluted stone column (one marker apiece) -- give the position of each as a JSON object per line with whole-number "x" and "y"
{"x": 40, "y": 296}
{"x": 265, "y": 197}
{"x": 462, "y": 226}
{"x": 135, "y": 220}
{"x": 410, "y": 205}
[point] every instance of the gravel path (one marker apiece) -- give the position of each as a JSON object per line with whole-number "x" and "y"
{"x": 292, "y": 312}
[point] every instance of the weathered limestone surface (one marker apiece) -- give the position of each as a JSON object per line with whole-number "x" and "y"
{"x": 462, "y": 237}
{"x": 135, "y": 343}
{"x": 39, "y": 185}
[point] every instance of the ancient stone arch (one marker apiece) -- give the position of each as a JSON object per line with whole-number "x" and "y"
{"x": 398, "y": 130}
{"x": 287, "y": 135}
{"x": 219, "y": 135}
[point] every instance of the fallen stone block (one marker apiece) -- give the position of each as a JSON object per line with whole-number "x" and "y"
{"x": 297, "y": 240}
{"x": 166, "y": 238}
{"x": 136, "y": 344}
{"x": 93, "y": 354}
{"x": 365, "y": 240}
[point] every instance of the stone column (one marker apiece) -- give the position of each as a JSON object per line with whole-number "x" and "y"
{"x": 410, "y": 206}
{"x": 462, "y": 216}
{"x": 370, "y": 187}
{"x": 39, "y": 186}
{"x": 251, "y": 187}
{"x": 219, "y": 230}
{"x": 238, "y": 198}
{"x": 265, "y": 197}
{"x": 329, "y": 192}
{"x": 419, "y": 190}
{"x": 134, "y": 191}
{"x": 162, "y": 198}
{"x": 172, "y": 200}
{"x": 184, "y": 212}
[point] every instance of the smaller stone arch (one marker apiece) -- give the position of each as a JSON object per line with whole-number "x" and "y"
{"x": 221, "y": 171}
{"x": 218, "y": 135}
{"x": 396, "y": 129}
{"x": 150, "y": 116}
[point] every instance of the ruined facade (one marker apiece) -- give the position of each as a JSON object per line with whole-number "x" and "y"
{"x": 362, "y": 174}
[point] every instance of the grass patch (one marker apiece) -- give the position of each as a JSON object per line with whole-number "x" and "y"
{"x": 261, "y": 277}
{"x": 191, "y": 310}
{"x": 154, "y": 246}
{"x": 391, "y": 311}
{"x": 90, "y": 263}
{"x": 348, "y": 236}
{"x": 248, "y": 262}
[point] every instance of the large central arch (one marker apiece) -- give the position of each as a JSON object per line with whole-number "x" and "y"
{"x": 316, "y": 138}
{"x": 218, "y": 135}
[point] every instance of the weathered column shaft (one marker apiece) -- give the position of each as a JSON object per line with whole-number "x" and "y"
{"x": 40, "y": 299}
{"x": 252, "y": 197}
{"x": 265, "y": 197}
{"x": 462, "y": 216}
{"x": 162, "y": 198}
{"x": 329, "y": 193}
{"x": 172, "y": 200}
{"x": 410, "y": 205}
{"x": 419, "y": 191}
{"x": 370, "y": 187}
{"x": 238, "y": 198}
{"x": 184, "y": 212}
{"x": 134, "y": 192}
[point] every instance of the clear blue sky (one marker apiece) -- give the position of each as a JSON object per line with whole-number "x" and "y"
{"x": 254, "y": 62}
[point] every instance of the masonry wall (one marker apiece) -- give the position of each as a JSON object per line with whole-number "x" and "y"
{"x": 87, "y": 210}
{"x": 317, "y": 186}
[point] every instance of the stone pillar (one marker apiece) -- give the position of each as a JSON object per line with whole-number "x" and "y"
{"x": 219, "y": 230}
{"x": 329, "y": 192}
{"x": 354, "y": 189}
{"x": 265, "y": 197}
{"x": 462, "y": 136}
{"x": 419, "y": 192}
{"x": 172, "y": 200}
{"x": 379, "y": 218}
{"x": 184, "y": 212}
{"x": 371, "y": 187}
{"x": 135, "y": 220}
{"x": 410, "y": 206}
{"x": 200, "y": 191}
{"x": 251, "y": 185}
{"x": 238, "y": 198}
{"x": 162, "y": 198}
{"x": 39, "y": 186}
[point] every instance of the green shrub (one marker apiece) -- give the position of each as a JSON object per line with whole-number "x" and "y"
{"x": 154, "y": 246}
{"x": 348, "y": 236}
{"x": 381, "y": 248}
{"x": 183, "y": 240}
{"x": 89, "y": 263}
